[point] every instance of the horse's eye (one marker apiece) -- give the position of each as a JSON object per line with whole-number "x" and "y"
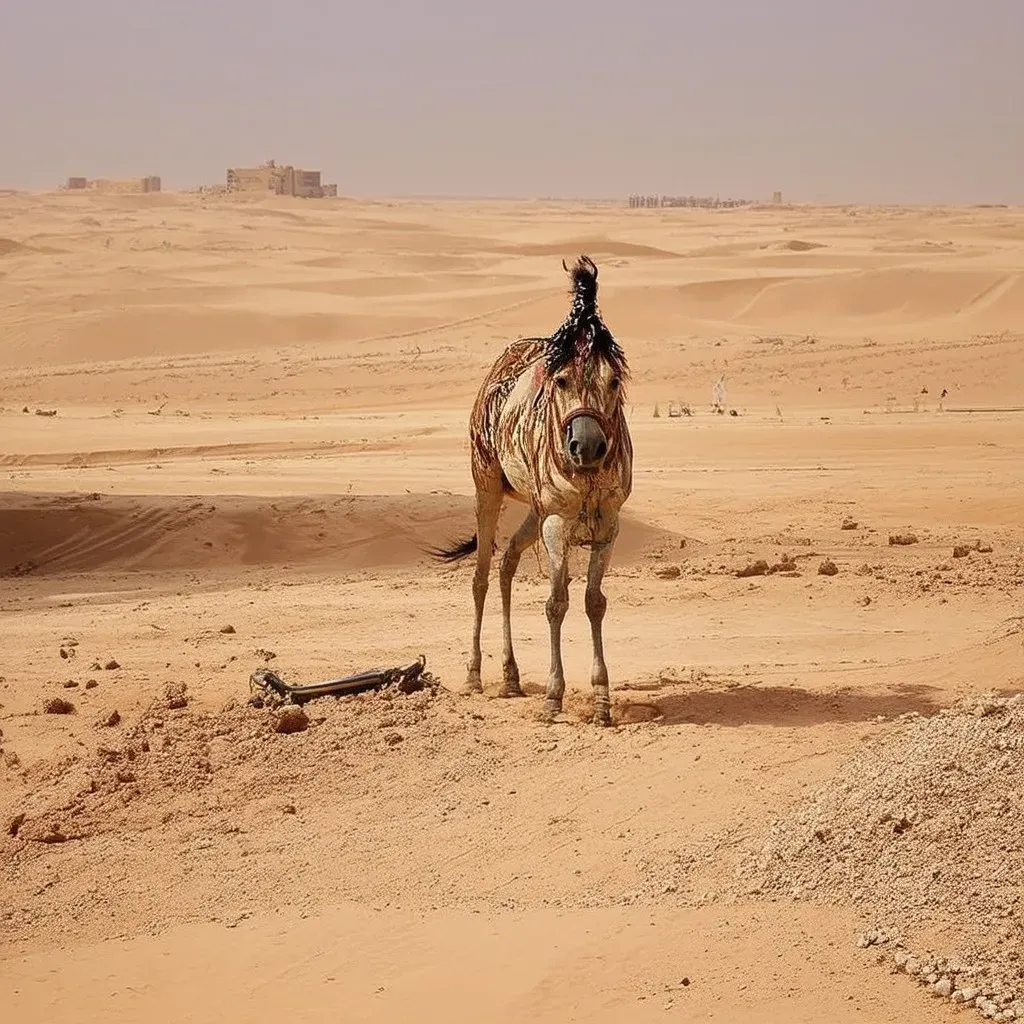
{"x": 561, "y": 383}
{"x": 615, "y": 383}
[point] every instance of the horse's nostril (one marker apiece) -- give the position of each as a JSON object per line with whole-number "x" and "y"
{"x": 602, "y": 451}
{"x": 574, "y": 447}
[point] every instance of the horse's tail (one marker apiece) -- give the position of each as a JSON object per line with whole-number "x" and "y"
{"x": 456, "y": 552}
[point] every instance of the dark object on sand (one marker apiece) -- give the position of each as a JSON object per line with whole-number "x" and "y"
{"x": 264, "y": 682}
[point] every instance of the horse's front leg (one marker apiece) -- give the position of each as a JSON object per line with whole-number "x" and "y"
{"x": 554, "y": 532}
{"x": 596, "y": 604}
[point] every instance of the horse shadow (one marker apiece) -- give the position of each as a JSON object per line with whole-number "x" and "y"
{"x": 782, "y": 706}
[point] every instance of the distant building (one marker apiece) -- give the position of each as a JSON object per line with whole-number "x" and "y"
{"x": 279, "y": 180}
{"x": 776, "y": 197}
{"x": 112, "y": 186}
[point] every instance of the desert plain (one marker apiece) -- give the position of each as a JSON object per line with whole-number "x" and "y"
{"x": 231, "y": 426}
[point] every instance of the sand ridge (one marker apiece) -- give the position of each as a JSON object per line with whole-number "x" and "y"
{"x": 259, "y": 424}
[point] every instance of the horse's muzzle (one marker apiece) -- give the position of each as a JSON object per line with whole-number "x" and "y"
{"x": 586, "y": 441}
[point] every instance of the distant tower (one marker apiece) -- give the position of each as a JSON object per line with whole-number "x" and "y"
{"x": 776, "y": 197}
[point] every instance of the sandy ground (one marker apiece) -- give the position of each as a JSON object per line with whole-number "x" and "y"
{"x": 260, "y": 421}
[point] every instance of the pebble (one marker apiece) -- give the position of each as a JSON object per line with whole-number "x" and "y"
{"x": 943, "y": 987}
{"x": 111, "y": 665}
{"x": 227, "y": 629}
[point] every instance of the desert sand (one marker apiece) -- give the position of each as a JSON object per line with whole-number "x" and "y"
{"x": 259, "y": 422}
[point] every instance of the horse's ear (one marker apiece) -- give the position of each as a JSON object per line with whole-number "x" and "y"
{"x": 565, "y": 266}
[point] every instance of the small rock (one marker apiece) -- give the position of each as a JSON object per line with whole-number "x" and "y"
{"x": 984, "y": 549}
{"x": 828, "y": 568}
{"x": 290, "y": 718}
{"x": 865, "y": 600}
{"x": 91, "y": 684}
{"x": 288, "y": 809}
{"x": 70, "y": 684}
{"x": 961, "y": 551}
{"x": 111, "y": 665}
{"x": 849, "y": 524}
{"x": 902, "y": 539}
{"x": 176, "y": 695}
{"x": 943, "y": 987}
{"x": 15, "y": 823}
{"x": 109, "y": 719}
{"x": 758, "y": 568}
{"x": 227, "y": 629}
{"x": 669, "y": 572}
{"x": 58, "y": 706}
{"x": 393, "y": 739}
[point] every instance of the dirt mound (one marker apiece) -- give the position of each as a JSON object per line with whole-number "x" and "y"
{"x": 84, "y": 533}
{"x": 793, "y": 245}
{"x": 922, "y": 833}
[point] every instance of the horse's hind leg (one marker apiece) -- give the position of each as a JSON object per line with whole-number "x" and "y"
{"x": 488, "y": 507}
{"x": 525, "y": 536}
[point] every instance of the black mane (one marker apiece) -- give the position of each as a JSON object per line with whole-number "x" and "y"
{"x": 583, "y": 333}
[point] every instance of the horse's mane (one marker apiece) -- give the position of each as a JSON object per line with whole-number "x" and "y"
{"x": 583, "y": 333}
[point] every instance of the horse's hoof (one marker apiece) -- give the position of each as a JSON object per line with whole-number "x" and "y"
{"x": 511, "y": 690}
{"x": 471, "y": 686}
{"x": 602, "y": 717}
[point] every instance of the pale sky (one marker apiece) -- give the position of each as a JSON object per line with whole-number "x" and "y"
{"x": 830, "y": 100}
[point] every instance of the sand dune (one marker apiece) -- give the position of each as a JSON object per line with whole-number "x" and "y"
{"x": 230, "y": 429}
{"x": 43, "y": 535}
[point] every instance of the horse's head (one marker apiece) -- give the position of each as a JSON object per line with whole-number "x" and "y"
{"x": 586, "y": 371}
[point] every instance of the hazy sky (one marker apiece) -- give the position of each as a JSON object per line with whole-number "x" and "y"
{"x": 835, "y": 100}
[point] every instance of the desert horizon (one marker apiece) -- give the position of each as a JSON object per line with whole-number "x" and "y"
{"x": 232, "y": 427}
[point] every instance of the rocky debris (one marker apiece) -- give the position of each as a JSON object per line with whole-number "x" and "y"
{"x": 289, "y": 718}
{"x": 828, "y": 568}
{"x": 849, "y": 524}
{"x": 962, "y": 550}
{"x": 758, "y": 568}
{"x": 111, "y": 665}
{"x": 15, "y": 824}
{"x": 58, "y": 706}
{"x": 668, "y": 572}
{"x": 108, "y": 719}
{"x": 70, "y": 684}
{"x": 921, "y": 833}
{"x": 902, "y": 539}
{"x": 262, "y": 652}
{"x": 786, "y": 564}
{"x": 176, "y": 695}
